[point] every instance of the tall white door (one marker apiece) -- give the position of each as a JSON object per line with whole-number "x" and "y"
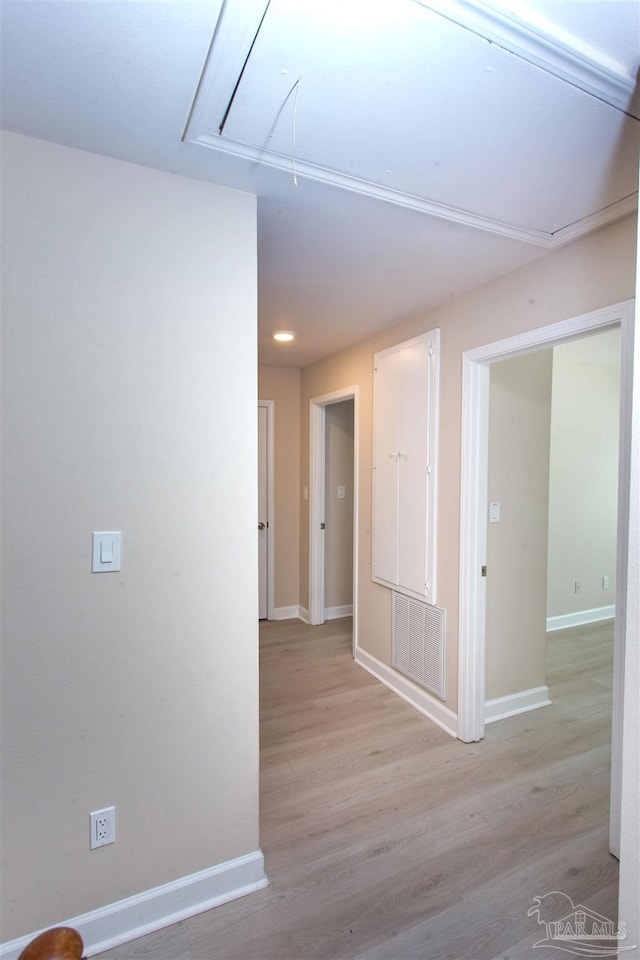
{"x": 263, "y": 526}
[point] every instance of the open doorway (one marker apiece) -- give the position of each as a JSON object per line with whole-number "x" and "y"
{"x": 332, "y": 557}
{"x": 338, "y": 510}
{"x": 552, "y": 489}
{"x": 474, "y": 499}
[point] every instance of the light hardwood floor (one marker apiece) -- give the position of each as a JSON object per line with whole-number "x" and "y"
{"x": 385, "y": 838}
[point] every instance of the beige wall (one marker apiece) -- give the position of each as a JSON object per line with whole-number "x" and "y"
{"x": 338, "y": 577}
{"x": 282, "y": 385}
{"x": 129, "y": 348}
{"x": 593, "y": 272}
{"x": 518, "y": 479}
{"x": 583, "y": 491}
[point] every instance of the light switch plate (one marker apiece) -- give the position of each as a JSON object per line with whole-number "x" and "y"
{"x": 106, "y": 551}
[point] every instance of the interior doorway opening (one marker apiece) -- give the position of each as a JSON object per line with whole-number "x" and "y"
{"x": 474, "y": 498}
{"x": 333, "y": 417}
{"x": 552, "y": 491}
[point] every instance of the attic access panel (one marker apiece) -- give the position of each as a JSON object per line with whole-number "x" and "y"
{"x": 399, "y": 99}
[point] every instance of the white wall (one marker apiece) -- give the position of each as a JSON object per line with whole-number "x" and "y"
{"x": 583, "y": 480}
{"x": 518, "y": 479}
{"x": 129, "y": 403}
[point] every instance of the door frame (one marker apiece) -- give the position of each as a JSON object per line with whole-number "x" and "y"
{"x": 317, "y": 468}
{"x": 270, "y": 407}
{"x": 473, "y": 517}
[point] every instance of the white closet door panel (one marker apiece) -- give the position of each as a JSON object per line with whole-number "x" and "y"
{"x": 385, "y": 482}
{"x": 413, "y": 467}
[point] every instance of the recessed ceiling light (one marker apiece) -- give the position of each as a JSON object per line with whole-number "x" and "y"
{"x": 284, "y": 335}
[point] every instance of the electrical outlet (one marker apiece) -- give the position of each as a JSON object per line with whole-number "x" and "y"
{"x": 577, "y": 586}
{"x": 605, "y": 583}
{"x": 103, "y": 827}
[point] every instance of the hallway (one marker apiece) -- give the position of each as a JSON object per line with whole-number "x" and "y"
{"x": 385, "y": 838}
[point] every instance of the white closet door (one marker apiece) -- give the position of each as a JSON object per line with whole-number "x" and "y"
{"x": 385, "y": 485}
{"x": 413, "y": 463}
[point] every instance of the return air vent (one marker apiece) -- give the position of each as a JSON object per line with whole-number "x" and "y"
{"x": 418, "y": 642}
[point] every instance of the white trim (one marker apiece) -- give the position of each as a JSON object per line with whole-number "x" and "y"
{"x": 419, "y": 699}
{"x": 554, "y": 334}
{"x": 317, "y": 422}
{"x": 473, "y": 501}
{"x": 622, "y": 574}
{"x": 287, "y": 613}
{"x": 564, "y": 620}
{"x": 502, "y": 707}
{"x": 317, "y": 419}
{"x": 303, "y": 614}
{"x": 271, "y": 511}
{"x": 159, "y": 907}
{"x": 615, "y": 211}
{"x": 376, "y": 191}
{"x": 543, "y": 44}
{"x": 537, "y": 238}
{"x": 334, "y": 613}
{"x": 473, "y": 552}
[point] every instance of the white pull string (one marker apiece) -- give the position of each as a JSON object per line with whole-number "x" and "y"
{"x": 295, "y": 120}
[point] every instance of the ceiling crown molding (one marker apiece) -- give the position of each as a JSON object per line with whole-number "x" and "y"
{"x": 542, "y": 44}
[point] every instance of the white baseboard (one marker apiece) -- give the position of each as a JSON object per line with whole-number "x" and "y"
{"x": 303, "y": 614}
{"x": 286, "y": 613}
{"x": 514, "y": 703}
{"x": 159, "y": 907}
{"x": 417, "y": 698}
{"x": 334, "y": 613}
{"x": 580, "y": 618}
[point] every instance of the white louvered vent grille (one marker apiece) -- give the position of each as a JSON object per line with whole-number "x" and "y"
{"x": 418, "y": 642}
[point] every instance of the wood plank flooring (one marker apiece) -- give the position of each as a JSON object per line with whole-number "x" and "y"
{"x": 385, "y": 838}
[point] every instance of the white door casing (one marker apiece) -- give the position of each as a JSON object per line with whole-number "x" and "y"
{"x": 473, "y": 519}
{"x": 317, "y": 452}
{"x": 265, "y": 510}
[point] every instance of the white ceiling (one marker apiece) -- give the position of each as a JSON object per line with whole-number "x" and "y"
{"x": 403, "y": 151}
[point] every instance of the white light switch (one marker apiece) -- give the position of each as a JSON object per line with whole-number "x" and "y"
{"x": 341, "y": 494}
{"x": 494, "y": 513}
{"x": 106, "y": 551}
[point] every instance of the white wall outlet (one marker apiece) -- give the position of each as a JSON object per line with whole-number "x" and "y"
{"x": 605, "y": 583}
{"x": 103, "y": 827}
{"x": 577, "y": 586}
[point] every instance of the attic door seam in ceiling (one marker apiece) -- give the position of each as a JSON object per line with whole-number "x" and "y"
{"x": 241, "y": 74}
